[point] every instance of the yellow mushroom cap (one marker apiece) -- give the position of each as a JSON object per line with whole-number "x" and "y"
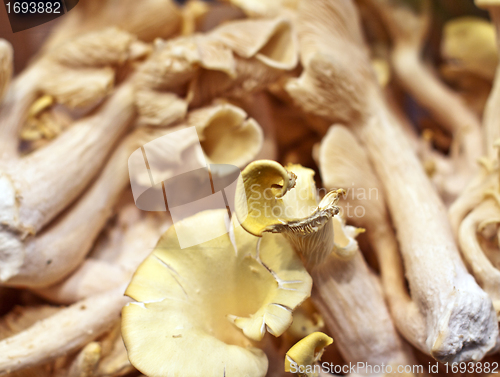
{"x": 200, "y": 308}
{"x": 307, "y": 351}
{"x": 273, "y": 199}
{"x": 470, "y": 43}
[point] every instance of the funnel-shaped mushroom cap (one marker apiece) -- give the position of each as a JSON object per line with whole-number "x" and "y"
{"x": 306, "y": 352}
{"x": 273, "y": 199}
{"x": 195, "y": 302}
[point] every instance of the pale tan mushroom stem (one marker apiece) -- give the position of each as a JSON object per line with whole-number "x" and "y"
{"x": 445, "y": 292}
{"x": 347, "y": 293}
{"x": 29, "y": 200}
{"x": 57, "y": 250}
{"x": 460, "y": 319}
{"x": 408, "y": 31}
{"x": 13, "y": 110}
{"x": 114, "y": 264}
{"x": 64, "y": 332}
{"x": 6, "y": 66}
{"x": 73, "y": 158}
{"x": 344, "y": 163}
{"x": 491, "y": 117}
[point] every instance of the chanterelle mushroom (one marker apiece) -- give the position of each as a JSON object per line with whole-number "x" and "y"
{"x": 280, "y": 200}
{"x": 194, "y": 303}
{"x": 261, "y": 206}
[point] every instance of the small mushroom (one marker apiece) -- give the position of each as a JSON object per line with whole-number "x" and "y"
{"x": 301, "y": 359}
{"x": 86, "y": 362}
{"x": 211, "y": 302}
{"x": 470, "y": 55}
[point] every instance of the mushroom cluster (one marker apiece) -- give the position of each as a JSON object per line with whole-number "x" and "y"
{"x": 250, "y": 188}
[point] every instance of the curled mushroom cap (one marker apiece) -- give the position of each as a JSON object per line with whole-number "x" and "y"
{"x": 306, "y": 352}
{"x": 209, "y": 302}
{"x": 273, "y": 199}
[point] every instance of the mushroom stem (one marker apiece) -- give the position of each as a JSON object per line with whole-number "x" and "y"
{"x": 343, "y": 162}
{"x": 79, "y": 152}
{"x": 66, "y": 241}
{"x": 491, "y": 117}
{"x": 405, "y": 313}
{"x": 64, "y": 332}
{"x": 98, "y": 274}
{"x": 21, "y": 94}
{"x": 347, "y": 293}
{"x": 408, "y": 29}
{"x": 6, "y": 66}
{"x": 438, "y": 99}
{"x": 29, "y": 200}
{"x": 440, "y": 284}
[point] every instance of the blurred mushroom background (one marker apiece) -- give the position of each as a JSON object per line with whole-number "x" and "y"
{"x": 369, "y": 128}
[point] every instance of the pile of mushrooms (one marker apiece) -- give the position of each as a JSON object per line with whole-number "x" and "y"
{"x": 250, "y": 188}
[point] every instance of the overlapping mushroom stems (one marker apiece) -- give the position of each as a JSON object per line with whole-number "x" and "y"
{"x": 271, "y": 199}
{"x": 201, "y": 310}
{"x": 301, "y": 359}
